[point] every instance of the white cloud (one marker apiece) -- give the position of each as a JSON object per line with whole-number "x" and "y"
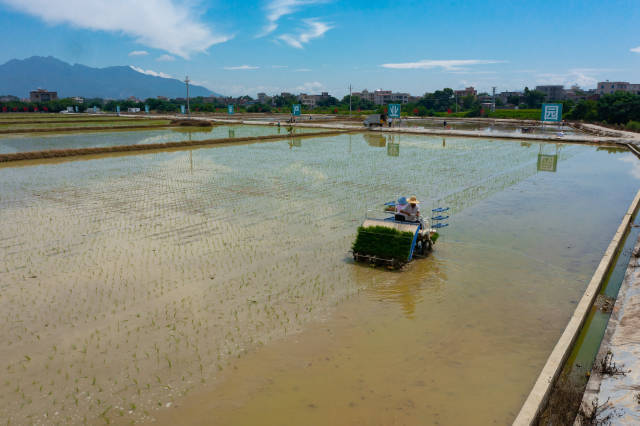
{"x": 276, "y": 9}
{"x": 314, "y": 29}
{"x": 169, "y": 25}
{"x": 444, "y": 64}
{"x": 635, "y": 170}
{"x": 313, "y": 86}
{"x": 279, "y": 66}
{"x": 302, "y": 70}
{"x": 635, "y": 49}
{"x": 241, "y": 67}
{"x": 165, "y": 58}
{"x": 583, "y": 77}
{"x": 150, "y": 72}
{"x": 138, "y": 53}
{"x": 239, "y": 90}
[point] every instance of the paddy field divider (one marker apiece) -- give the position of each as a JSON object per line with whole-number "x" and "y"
{"x": 539, "y": 395}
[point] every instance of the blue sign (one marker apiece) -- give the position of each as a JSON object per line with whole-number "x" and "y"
{"x": 551, "y": 112}
{"x": 295, "y": 109}
{"x": 76, "y": 108}
{"x": 118, "y": 109}
{"x": 146, "y": 109}
{"x": 182, "y": 109}
{"x": 394, "y": 110}
{"x": 95, "y": 109}
{"x": 230, "y": 109}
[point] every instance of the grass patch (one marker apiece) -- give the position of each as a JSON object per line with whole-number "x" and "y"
{"x": 383, "y": 242}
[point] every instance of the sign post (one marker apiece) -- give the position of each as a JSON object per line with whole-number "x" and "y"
{"x": 295, "y": 109}
{"x": 551, "y": 112}
{"x": 146, "y": 109}
{"x": 118, "y": 109}
{"x": 230, "y": 109}
{"x": 394, "y": 110}
{"x": 182, "y": 109}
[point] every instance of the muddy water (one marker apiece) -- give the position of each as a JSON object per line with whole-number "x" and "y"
{"x": 10, "y": 144}
{"x": 218, "y": 281}
{"x": 489, "y": 128}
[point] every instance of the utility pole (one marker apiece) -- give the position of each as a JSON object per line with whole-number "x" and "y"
{"x": 187, "y": 81}
{"x": 349, "y": 99}
{"x": 456, "y": 95}
{"x": 493, "y": 101}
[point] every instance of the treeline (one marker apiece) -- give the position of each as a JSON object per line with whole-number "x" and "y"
{"x": 620, "y": 108}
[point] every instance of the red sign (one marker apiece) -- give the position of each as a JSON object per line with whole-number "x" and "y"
{"x": 415, "y": 111}
{"x": 4, "y": 109}
{"x": 482, "y": 111}
{"x": 15, "y": 108}
{"x": 448, "y": 110}
{"x": 25, "y": 109}
{"x": 45, "y": 108}
{"x": 35, "y": 109}
{"x": 335, "y": 110}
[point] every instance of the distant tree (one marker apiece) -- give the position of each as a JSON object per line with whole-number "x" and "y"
{"x": 619, "y": 108}
{"x": 469, "y": 102}
{"x": 533, "y": 98}
{"x": 259, "y": 108}
{"x": 513, "y": 99}
{"x": 328, "y": 101}
{"x": 357, "y": 103}
{"x": 584, "y": 110}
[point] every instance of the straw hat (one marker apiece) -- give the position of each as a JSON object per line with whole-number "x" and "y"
{"x": 413, "y": 200}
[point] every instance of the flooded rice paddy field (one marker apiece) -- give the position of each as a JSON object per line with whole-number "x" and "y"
{"x": 217, "y": 282}
{"x": 18, "y": 125}
{"x": 489, "y": 128}
{"x": 38, "y": 142}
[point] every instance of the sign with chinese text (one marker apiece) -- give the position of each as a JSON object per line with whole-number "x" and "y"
{"x": 551, "y": 112}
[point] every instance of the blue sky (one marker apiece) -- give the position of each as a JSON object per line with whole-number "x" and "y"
{"x": 245, "y": 47}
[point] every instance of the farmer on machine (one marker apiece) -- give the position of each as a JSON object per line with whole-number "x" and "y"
{"x": 411, "y": 211}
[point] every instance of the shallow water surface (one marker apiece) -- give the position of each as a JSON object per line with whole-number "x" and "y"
{"x": 218, "y": 280}
{"x": 40, "y": 142}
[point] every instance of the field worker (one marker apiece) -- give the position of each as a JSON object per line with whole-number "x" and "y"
{"x": 400, "y": 204}
{"x": 411, "y": 211}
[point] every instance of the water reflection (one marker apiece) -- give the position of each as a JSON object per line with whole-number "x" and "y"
{"x": 547, "y": 162}
{"x": 407, "y": 287}
{"x": 297, "y": 142}
{"x": 613, "y": 149}
{"x": 393, "y": 147}
{"x": 375, "y": 140}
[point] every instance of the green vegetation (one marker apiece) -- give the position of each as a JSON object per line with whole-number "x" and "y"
{"x": 383, "y": 242}
{"x": 619, "y": 108}
{"x": 634, "y": 126}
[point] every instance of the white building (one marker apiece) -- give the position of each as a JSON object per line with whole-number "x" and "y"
{"x": 383, "y": 97}
{"x": 609, "y": 87}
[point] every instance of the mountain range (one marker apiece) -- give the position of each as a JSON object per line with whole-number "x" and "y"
{"x": 20, "y": 76}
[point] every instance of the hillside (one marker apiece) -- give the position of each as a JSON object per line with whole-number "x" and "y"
{"x": 19, "y": 77}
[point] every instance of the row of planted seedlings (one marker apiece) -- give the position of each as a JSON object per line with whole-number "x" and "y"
{"x": 133, "y": 292}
